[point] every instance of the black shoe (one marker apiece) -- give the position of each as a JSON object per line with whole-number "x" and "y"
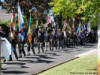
{"x": 24, "y": 54}
{"x": 4, "y": 60}
{"x": 17, "y": 58}
{"x": 10, "y": 59}
{"x": 20, "y": 56}
{"x": 33, "y": 51}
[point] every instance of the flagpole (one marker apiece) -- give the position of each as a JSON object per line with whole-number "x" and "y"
{"x": 18, "y": 16}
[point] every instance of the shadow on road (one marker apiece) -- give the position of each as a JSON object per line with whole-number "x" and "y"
{"x": 14, "y": 63}
{"x": 43, "y": 61}
{"x": 53, "y": 54}
{"x": 45, "y": 57}
{"x": 14, "y": 72}
{"x": 26, "y": 60}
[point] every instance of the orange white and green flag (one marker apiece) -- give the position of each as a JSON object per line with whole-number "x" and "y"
{"x": 29, "y": 31}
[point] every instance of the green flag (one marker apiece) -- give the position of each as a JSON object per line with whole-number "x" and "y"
{"x": 29, "y": 31}
{"x": 30, "y": 23}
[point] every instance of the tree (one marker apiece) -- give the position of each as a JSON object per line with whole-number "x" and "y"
{"x": 38, "y": 7}
{"x": 81, "y": 9}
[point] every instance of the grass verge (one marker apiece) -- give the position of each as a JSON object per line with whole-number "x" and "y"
{"x": 80, "y": 66}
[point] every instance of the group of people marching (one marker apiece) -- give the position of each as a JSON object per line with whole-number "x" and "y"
{"x": 44, "y": 39}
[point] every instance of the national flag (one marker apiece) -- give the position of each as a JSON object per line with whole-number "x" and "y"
{"x": 73, "y": 24}
{"x": 12, "y": 26}
{"x": 79, "y": 29}
{"x": 12, "y": 20}
{"x": 21, "y": 23}
{"x": 29, "y": 31}
{"x": 49, "y": 20}
{"x": 89, "y": 27}
{"x": 51, "y": 15}
{"x": 82, "y": 30}
{"x": 29, "y": 35}
{"x": 36, "y": 24}
{"x": 65, "y": 25}
{"x": 56, "y": 27}
{"x": 30, "y": 22}
{"x": 82, "y": 27}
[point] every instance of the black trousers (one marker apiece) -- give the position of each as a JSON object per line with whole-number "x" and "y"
{"x": 40, "y": 46}
{"x": 14, "y": 50}
{"x": 21, "y": 49}
{"x": 30, "y": 46}
{"x": 33, "y": 47}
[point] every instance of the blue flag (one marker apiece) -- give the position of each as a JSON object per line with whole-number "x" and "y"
{"x": 56, "y": 27}
{"x": 20, "y": 23}
{"x": 78, "y": 29}
{"x": 51, "y": 15}
{"x": 83, "y": 31}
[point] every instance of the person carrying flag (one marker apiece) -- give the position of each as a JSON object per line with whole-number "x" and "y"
{"x": 29, "y": 37}
{"x": 21, "y": 32}
{"x": 82, "y": 34}
{"x": 12, "y": 37}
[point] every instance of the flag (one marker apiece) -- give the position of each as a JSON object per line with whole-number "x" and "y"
{"x": 29, "y": 35}
{"x": 36, "y": 24}
{"x": 12, "y": 26}
{"x": 30, "y": 22}
{"x": 12, "y": 21}
{"x": 79, "y": 29}
{"x": 65, "y": 25}
{"x": 82, "y": 27}
{"x": 73, "y": 24}
{"x": 21, "y": 23}
{"x": 56, "y": 27}
{"x": 51, "y": 15}
{"x": 29, "y": 31}
{"x": 49, "y": 21}
{"x": 82, "y": 31}
{"x": 89, "y": 27}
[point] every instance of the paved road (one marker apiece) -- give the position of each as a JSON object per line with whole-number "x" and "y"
{"x": 30, "y": 65}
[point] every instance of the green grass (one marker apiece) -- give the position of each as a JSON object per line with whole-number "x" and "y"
{"x": 5, "y": 22}
{"x": 84, "y": 64}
